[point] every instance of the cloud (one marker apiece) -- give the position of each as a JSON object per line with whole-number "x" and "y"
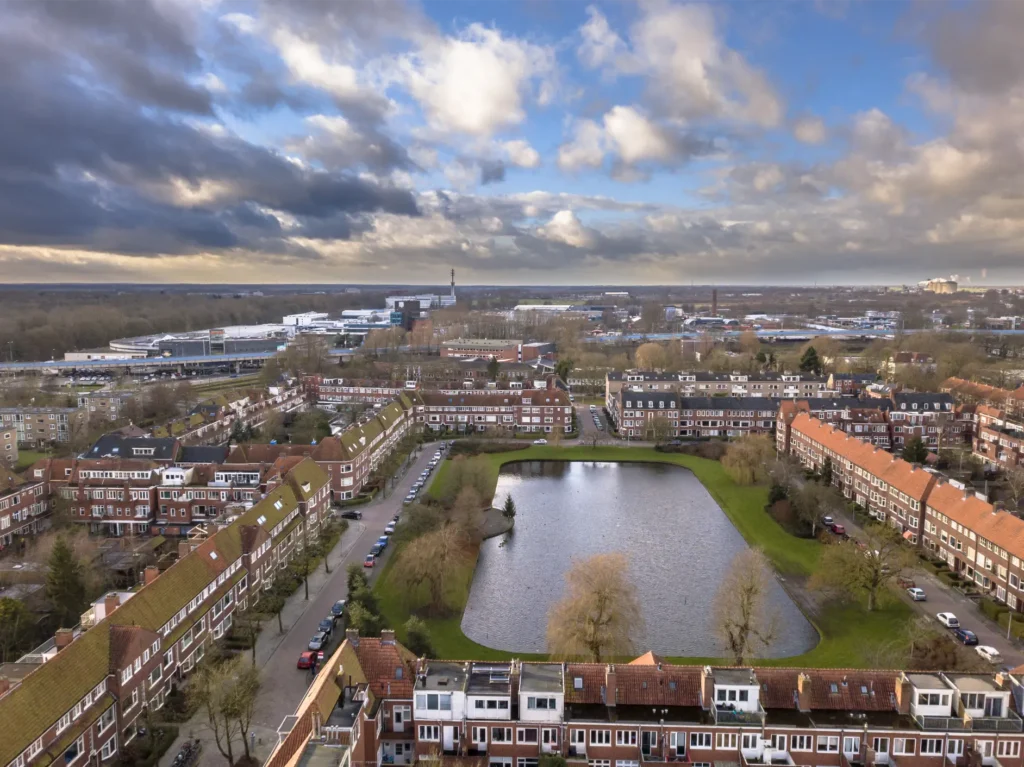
{"x": 521, "y": 154}
{"x": 338, "y": 144}
{"x": 809, "y": 130}
{"x": 586, "y": 148}
{"x": 564, "y": 227}
{"x": 475, "y": 84}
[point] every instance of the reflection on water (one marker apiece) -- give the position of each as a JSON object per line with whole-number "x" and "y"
{"x": 678, "y": 541}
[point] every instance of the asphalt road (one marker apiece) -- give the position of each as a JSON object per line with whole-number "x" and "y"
{"x": 276, "y": 653}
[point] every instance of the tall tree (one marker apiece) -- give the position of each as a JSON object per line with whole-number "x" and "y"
{"x": 417, "y": 638}
{"x": 493, "y": 368}
{"x": 914, "y": 451}
{"x": 809, "y": 362}
{"x": 65, "y": 584}
{"x": 564, "y": 368}
{"x": 508, "y": 510}
{"x": 15, "y": 628}
{"x": 1013, "y": 481}
{"x": 432, "y": 559}
{"x": 599, "y": 614}
{"x": 826, "y": 472}
{"x": 747, "y": 459}
{"x": 743, "y": 618}
{"x": 847, "y": 569}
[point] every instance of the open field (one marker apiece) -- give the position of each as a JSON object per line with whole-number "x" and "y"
{"x": 850, "y": 636}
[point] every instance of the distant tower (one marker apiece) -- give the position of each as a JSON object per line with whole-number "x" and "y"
{"x": 714, "y": 302}
{"x": 453, "y": 283}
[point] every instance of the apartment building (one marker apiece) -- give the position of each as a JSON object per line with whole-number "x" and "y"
{"x": 40, "y": 426}
{"x": 703, "y": 384}
{"x": 360, "y": 710}
{"x": 490, "y": 348}
{"x": 648, "y": 415}
{"x": 866, "y": 419}
{"x": 105, "y": 404}
{"x": 536, "y": 410}
{"x": 163, "y": 451}
{"x": 1011, "y": 401}
{"x": 930, "y": 416}
{"x": 998, "y": 438}
{"x": 211, "y": 422}
{"x": 849, "y": 384}
{"x": 23, "y": 504}
{"x": 82, "y": 701}
{"x": 891, "y": 489}
{"x": 901, "y": 362}
{"x": 8, "y": 445}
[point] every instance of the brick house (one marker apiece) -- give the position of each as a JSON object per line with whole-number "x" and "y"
{"x": 998, "y": 438}
{"x": 537, "y": 410}
{"x": 23, "y": 504}
{"x": 704, "y": 384}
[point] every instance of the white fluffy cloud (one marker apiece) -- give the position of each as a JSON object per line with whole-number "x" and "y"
{"x": 566, "y": 228}
{"x": 636, "y": 138}
{"x": 521, "y": 154}
{"x": 586, "y": 148}
{"x": 476, "y": 84}
{"x": 809, "y": 130}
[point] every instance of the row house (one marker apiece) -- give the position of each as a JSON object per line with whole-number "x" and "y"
{"x": 39, "y": 426}
{"x": 535, "y": 410}
{"x": 84, "y": 699}
{"x": 647, "y": 414}
{"x": 113, "y": 496}
{"x": 1010, "y": 401}
{"x": 998, "y": 438}
{"x": 889, "y": 488}
{"x": 930, "y": 416}
{"x": 334, "y": 391}
{"x": 212, "y": 421}
{"x": 865, "y": 419}
{"x": 849, "y": 384}
{"x": 23, "y": 505}
{"x": 509, "y": 714}
{"x": 703, "y": 384}
{"x": 981, "y": 542}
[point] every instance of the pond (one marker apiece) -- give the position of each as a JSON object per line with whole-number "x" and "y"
{"x": 678, "y": 541}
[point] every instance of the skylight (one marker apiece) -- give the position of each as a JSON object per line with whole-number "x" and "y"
{"x": 213, "y": 555}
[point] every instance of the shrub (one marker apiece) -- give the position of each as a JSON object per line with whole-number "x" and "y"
{"x": 991, "y": 608}
{"x": 478, "y": 446}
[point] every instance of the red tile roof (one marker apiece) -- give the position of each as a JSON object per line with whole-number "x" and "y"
{"x": 380, "y": 661}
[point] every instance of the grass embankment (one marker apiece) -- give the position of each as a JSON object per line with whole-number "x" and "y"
{"x": 850, "y": 635}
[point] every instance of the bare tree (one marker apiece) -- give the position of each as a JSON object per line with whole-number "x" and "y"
{"x": 742, "y": 616}
{"x": 1013, "y": 478}
{"x": 599, "y": 615}
{"x": 467, "y": 513}
{"x": 211, "y": 689}
{"x": 432, "y": 559}
{"x": 659, "y": 429}
{"x": 650, "y": 356}
{"x": 848, "y": 569}
{"x": 748, "y": 458}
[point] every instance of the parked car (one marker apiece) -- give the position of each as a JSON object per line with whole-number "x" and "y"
{"x": 327, "y": 625}
{"x": 375, "y": 551}
{"x": 827, "y": 521}
{"x": 917, "y": 594}
{"x": 948, "y": 620}
{"x": 338, "y": 608}
{"x": 408, "y": 500}
{"x": 389, "y": 529}
{"x": 905, "y": 583}
{"x": 318, "y": 640}
{"x": 991, "y": 654}
{"x": 369, "y": 560}
{"x": 383, "y": 542}
{"x": 305, "y": 659}
{"x": 965, "y": 637}
{"x": 540, "y": 441}
{"x": 351, "y": 514}
{"x": 838, "y": 529}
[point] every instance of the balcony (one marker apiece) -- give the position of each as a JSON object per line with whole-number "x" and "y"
{"x": 1009, "y": 723}
{"x": 724, "y": 715}
{"x": 952, "y": 723}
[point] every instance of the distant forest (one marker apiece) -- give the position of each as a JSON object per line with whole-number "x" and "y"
{"x": 43, "y": 324}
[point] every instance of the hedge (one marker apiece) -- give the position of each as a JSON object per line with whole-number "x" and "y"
{"x": 992, "y": 609}
{"x": 1017, "y": 632}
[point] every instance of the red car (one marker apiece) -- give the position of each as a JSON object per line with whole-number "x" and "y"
{"x": 839, "y": 529}
{"x": 369, "y": 561}
{"x": 306, "y": 659}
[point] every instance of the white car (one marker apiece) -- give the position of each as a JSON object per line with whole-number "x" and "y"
{"x": 541, "y": 441}
{"x": 917, "y": 594}
{"x": 991, "y": 654}
{"x": 948, "y": 620}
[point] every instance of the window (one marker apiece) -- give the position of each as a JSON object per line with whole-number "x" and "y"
{"x": 954, "y": 747}
{"x": 880, "y": 745}
{"x": 625, "y": 737}
{"x": 74, "y": 750}
{"x": 600, "y": 737}
{"x": 851, "y": 745}
{"x": 64, "y": 722}
{"x": 501, "y": 735}
{"x": 726, "y": 740}
{"x": 750, "y": 742}
{"x": 1003, "y": 748}
{"x": 541, "y": 703}
{"x": 479, "y": 734}
{"x": 430, "y": 732}
{"x": 108, "y": 749}
{"x": 903, "y": 746}
{"x": 802, "y": 742}
{"x": 933, "y": 746}
{"x": 106, "y": 719}
{"x": 828, "y": 744}
{"x": 677, "y": 741}
{"x": 700, "y": 740}
{"x": 578, "y": 737}
{"x": 154, "y": 676}
{"x": 526, "y": 735}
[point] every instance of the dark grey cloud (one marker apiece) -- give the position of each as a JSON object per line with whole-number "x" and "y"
{"x": 491, "y": 172}
{"x": 99, "y": 167}
{"x": 978, "y": 45}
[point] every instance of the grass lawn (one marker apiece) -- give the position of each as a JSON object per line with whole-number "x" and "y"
{"x": 850, "y": 635}
{"x": 26, "y": 458}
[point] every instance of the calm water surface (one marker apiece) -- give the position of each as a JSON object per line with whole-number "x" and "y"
{"x": 678, "y": 541}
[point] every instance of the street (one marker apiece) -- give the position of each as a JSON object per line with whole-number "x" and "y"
{"x": 276, "y": 654}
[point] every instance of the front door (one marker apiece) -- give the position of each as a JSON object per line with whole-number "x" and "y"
{"x": 549, "y": 740}
{"x": 448, "y": 738}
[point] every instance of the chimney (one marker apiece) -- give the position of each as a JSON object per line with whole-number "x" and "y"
{"x": 110, "y": 603}
{"x": 387, "y": 636}
{"x": 5, "y": 685}
{"x": 803, "y": 692}
{"x": 150, "y": 574}
{"x": 63, "y": 638}
{"x": 904, "y": 694}
{"x": 352, "y": 636}
{"x": 610, "y": 685}
{"x": 184, "y": 549}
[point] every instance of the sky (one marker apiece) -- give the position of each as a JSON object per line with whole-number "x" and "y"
{"x": 544, "y": 142}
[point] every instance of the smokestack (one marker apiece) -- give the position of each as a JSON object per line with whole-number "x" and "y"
{"x": 714, "y": 302}
{"x": 453, "y": 283}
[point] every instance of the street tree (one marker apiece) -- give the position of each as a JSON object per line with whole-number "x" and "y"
{"x": 914, "y": 451}
{"x": 599, "y": 615}
{"x": 432, "y": 560}
{"x": 210, "y": 691}
{"x": 65, "y": 584}
{"x": 812, "y": 501}
{"x": 250, "y": 622}
{"x": 743, "y": 618}
{"x": 826, "y": 471}
{"x": 659, "y": 429}
{"x": 747, "y": 459}
{"x": 847, "y": 569}
{"x": 16, "y": 628}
